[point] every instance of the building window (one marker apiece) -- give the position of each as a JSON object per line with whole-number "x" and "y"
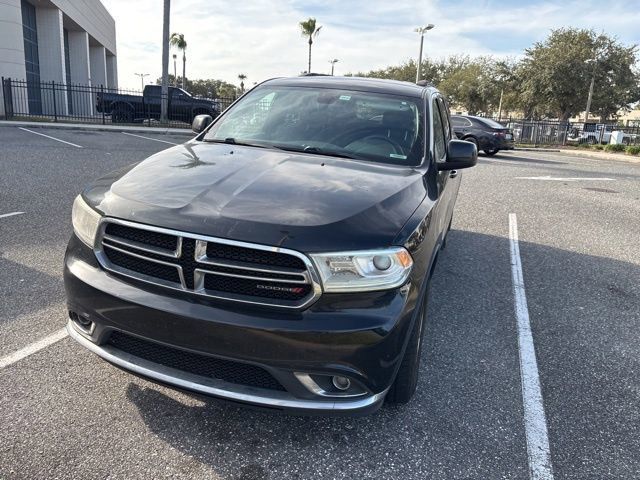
{"x": 31, "y": 59}
{"x": 67, "y": 68}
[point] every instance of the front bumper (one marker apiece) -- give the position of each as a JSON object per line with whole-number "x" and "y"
{"x": 359, "y": 336}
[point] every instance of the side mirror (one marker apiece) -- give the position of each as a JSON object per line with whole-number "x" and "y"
{"x": 461, "y": 155}
{"x": 201, "y": 122}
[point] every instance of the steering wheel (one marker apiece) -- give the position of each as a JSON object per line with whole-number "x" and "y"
{"x": 396, "y": 146}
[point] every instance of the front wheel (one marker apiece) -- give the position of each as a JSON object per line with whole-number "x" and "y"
{"x": 404, "y": 386}
{"x": 491, "y": 152}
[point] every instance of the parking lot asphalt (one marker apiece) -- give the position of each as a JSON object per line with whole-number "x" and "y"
{"x": 67, "y": 414}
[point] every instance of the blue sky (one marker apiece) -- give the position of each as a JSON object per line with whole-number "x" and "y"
{"x": 260, "y": 38}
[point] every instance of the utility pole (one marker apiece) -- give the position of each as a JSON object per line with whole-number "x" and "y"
{"x": 142, "y": 75}
{"x": 586, "y": 113}
{"x": 421, "y": 31}
{"x": 500, "y": 105}
{"x": 164, "y": 100}
{"x": 333, "y": 62}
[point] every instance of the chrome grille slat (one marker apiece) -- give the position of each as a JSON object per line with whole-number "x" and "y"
{"x": 257, "y": 282}
{"x": 147, "y": 248}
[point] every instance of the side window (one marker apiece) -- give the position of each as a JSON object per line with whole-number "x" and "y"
{"x": 438, "y": 132}
{"x": 444, "y": 112}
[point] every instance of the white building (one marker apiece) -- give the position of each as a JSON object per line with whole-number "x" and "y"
{"x": 60, "y": 41}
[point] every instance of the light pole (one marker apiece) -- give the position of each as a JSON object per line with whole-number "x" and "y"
{"x": 421, "y": 31}
{"x": 175, "y": 73}
{"x": 142, "y": 75}
{"x": 164, "y": 99}
{"x": 594, "y": 60}
{"x": 333, "y": 62}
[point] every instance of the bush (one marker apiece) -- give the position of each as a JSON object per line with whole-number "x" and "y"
{"x": 633, "y": 150}
{"x": 598, "y": 146}
{"x": 618, "y": 147}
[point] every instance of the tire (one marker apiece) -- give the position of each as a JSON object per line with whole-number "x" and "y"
{"x": 491, "y": 153}
{"x": 472, "y": 140}
{"x": 406, "y": 381}
{"x": 121, "y": 114}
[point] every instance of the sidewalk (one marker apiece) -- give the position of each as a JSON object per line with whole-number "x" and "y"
{"x": 98, "y": 128}
{"x": 621, "y": 157}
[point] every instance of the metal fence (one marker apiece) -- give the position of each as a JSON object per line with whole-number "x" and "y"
{"x": 60, "y": 102}
{"x": 557, "y": 133}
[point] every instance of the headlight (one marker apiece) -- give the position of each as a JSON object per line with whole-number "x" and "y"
{"x": 85, "y": 221}
{"x": 363, "y": 271}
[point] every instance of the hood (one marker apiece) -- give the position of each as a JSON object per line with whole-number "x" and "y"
{"x": 300, "y": 201}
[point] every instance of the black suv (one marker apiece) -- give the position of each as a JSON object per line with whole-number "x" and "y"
{"x": 487, "y": 134}
{"x": 282, "y": 257}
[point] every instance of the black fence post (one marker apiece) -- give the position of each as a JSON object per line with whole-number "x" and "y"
{"x": 104, "y": 121}
{"x": 55, "y": 107}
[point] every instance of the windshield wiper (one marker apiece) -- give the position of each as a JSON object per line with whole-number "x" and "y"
{"x": 232, "y": 141}
{"x": 315, "y": 151}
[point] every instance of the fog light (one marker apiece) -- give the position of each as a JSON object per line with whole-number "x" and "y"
{"x": 341, "y": 383}
{"x": 83, "y": 323}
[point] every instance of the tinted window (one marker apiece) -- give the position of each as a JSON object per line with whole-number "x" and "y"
{"x": 438, "y": 132}
{"x": 460, "y": 122}
{"x": 444, "y": 113}
{"x": 490, "y": 123}
{"x": 362, "y": 125}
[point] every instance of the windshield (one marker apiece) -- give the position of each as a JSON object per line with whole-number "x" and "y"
{"x": 322, "y": 121}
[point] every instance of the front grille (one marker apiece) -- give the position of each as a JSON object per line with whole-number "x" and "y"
{"x": 209, "y": 267}
{"x": 195, "y": 363}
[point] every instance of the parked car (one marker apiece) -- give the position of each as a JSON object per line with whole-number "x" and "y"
{"x": 125, "y": 108}
{"x": 282, "y": 258}
{"x": 486, "y": 134}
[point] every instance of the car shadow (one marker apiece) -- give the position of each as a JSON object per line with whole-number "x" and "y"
{"x": 466, "y": 419}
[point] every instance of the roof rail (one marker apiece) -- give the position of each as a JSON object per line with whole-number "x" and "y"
{"x": 425, "y": 83}
{"x": 315, "y": 75}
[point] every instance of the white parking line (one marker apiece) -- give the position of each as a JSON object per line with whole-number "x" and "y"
{"x": 52, "y": 138}
{"x": 5, "y": 215}
{"x": 149, "y": 138}
{"x": 535, "y": 421}
{"x": 568, "y": 179}
{"x": 33, "y": 348}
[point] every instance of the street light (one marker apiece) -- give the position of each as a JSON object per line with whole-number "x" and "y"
{"x": 142, "y": 75}
{"x": 333, "y": 62}
{"x": 421, "y": 31}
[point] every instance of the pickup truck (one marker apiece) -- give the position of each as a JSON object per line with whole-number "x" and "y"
{"x": 125, "y": 108}
{"x": 282, "y": 258}
{"x": 597, "y": 133}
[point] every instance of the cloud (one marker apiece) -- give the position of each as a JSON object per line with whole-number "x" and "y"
{"x": 261, "y": 38}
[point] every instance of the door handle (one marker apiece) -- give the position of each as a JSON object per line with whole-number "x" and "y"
{"x": 453, "y": 174}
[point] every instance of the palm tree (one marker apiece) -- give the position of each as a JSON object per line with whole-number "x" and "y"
{"x": 177, "y": 40}
{"x": 309, "y": 29}
{"x": 242, "y": 77}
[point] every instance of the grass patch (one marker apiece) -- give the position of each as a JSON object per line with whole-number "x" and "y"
{"x": 614, "y": 148}
{"x": 633, "y": 150}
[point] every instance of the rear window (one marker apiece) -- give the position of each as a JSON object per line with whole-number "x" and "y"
{"x": 491, "y": 123}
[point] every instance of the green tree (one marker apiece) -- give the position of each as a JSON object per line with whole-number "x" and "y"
{"x": 242, "y": 77}
{"x": 310, "y": 30}
{"x": 556, "y": 74}
{"x": 177, "y": 40}
{"x": 208, "y": 88}
{"x": 471, "y": 83}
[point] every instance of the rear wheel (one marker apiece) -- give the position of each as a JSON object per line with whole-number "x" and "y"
{"x": 491, "y": 152}
{"x": 121, "y": 114}
{"x": 404, "y": 386}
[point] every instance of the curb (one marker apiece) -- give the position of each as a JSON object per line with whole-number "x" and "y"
{"x": 534, "y": 149}
{"x": 620, "y": 157}
{"x": 98, "y": 128}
